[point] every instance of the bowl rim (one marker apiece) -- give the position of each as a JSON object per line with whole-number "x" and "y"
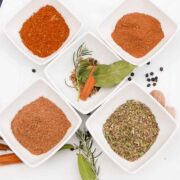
{"x": 91, "y": 130}
{"x": 51, "y": 64}
{"x": 47, "y": 156}
{"x": 140, "y": 64}
{"x": 58, "y": 51}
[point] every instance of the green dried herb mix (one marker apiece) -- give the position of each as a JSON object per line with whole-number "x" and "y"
{"x": 131, "y": 130}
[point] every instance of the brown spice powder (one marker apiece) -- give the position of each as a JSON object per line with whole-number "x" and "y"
{"x": 44, "y": 32}
{"x": 40, "y": 125}
{"x": 137, "y": 33}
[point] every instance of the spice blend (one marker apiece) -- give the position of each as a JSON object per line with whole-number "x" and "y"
{"x": 131, "y": 130}
{"x": 45, "y": 31}
{"x": 88, "y": 75}
{"x": 40, "y": 125}
{"x": 137, "y": 33}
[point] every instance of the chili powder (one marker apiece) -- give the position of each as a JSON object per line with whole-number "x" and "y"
{"x": 137, "y": 33}
{"x": 45, "y": 31}
{"x": 40, "y": 125}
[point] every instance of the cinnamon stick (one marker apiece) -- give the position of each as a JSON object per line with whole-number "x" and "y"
{"x": 8, "y": 159}
{"x": 4, "y": 147}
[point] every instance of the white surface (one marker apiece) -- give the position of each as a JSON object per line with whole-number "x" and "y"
{"x": 39, "y": 88}
{"x": 15, "y": 24}
{"x": 143, "y": 6}
{"x": 166, "y": 123}
{"x": 16, "y": 69}
{"x": 61, "y": 68}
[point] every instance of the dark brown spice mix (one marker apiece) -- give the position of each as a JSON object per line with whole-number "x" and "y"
{"x": 40, "y": 125}
{"x": 45, "y": 31}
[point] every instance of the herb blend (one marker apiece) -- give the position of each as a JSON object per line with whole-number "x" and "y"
{"x": 88, "y": 75}
{"x": 131, "y": 130}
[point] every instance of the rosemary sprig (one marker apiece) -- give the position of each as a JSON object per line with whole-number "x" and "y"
{"x": 81, "y": 52}
{"x": 88, "y": 152}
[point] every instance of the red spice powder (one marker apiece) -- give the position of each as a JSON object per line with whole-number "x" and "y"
{"x": 40, "y": 125}
{"x": 137, "y": 33}
{"x": 45, "y": 31}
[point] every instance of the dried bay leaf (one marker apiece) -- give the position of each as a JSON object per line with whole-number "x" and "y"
{"x": 111, "y": 75}
{"x": 85, "y": 168}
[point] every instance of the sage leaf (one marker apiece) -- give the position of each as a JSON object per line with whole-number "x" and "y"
{"x": 110, "y": 75}
{"x": 85, "y": 168}
{"x": 84, "y": 71}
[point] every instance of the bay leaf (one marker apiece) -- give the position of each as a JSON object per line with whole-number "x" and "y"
{"x": 68, "y": 147}
{"x": 85, "y": 168}
{"x": 111, "y": 75}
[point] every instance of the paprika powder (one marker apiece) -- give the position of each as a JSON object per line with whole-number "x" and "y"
{"x": 44, "y": 32}
{"x": 137, "y": 33}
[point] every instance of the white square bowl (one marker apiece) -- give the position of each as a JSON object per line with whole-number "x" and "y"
{"x": 14, "y": 25}
{"x": 61, "y": 68}
{"x": 36, "y": 90}
{"x": 143, "y": 6}
{"x": 165, "y": 121}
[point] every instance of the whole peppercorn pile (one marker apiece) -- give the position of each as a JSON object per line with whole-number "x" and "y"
{"x": 151, "y": 77}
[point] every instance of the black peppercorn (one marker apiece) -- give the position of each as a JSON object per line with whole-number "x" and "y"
{"x": 154, "y": 84}
{"x": 161, "y": 69}
{"x": 33, "y": 70}
{"x": 151, "y": 73}
{"x": 148, "y": 63}
{"x": 132, "y": 74}
{"x": 156, "y": 79}
{"x": 148, "y": 79}
{"x": 148, "y": 85}
{"x": 129, "y": 79}
{"x": 146, "y": 75}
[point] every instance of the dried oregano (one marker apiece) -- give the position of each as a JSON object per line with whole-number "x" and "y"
{"x": 131, "y": 130}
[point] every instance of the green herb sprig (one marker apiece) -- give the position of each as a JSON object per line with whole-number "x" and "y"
{"x": 77, "y": 57}
{"x": 86, "y": 156}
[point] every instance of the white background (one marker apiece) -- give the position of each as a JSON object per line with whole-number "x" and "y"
{"x": 15, "y": 74}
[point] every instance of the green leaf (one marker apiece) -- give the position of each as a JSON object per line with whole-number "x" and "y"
{"x": 85, "y": 168}
{"x": 68, "y": 147}
{"x": 84, "y": 70}
{"x": 111, "y": 75}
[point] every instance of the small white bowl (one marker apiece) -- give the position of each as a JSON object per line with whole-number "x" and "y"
{"x": 14, "y": 25}
{"x": 143, "y": 6}
{"x": 61, "y": 68}
{"x": 165, "y": 121}
{"x": 36, "y": 90}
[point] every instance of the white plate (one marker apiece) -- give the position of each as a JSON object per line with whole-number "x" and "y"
{"x": 36, "y": 90}
{"x": 166, "y": 124}
{"x": 61, "y": 68}
{"x": 13, "y": 27}
{"x": 142, "y": 6}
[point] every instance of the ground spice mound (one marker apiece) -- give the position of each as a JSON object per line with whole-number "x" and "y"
{"x": 40, "y": 125}
{"x": 131, "y": 130}
{"x": 137, "y": 33}
{"x": 44, "y": 32}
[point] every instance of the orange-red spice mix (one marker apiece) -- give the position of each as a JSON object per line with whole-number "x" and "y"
{"x": 45, "y": 31}
{"x": 40, "y": 125}
{"x": 137, "y": 33}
